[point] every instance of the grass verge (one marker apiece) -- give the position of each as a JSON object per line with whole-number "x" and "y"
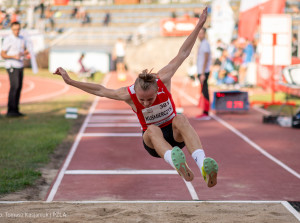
{"x": 26, "y": 144}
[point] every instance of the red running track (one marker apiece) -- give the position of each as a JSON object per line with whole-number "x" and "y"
{"x": 108, "y": 162}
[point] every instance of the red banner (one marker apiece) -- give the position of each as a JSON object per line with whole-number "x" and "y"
{"x": 251, "y": 11}
{"x": 178, "y": 27}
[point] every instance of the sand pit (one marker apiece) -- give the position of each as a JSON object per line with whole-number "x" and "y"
{"x": 145, "y": 212}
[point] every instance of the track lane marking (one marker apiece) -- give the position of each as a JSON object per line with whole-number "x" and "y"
{"x": 135, "y": 134}
{"x": 71, "y": 154}
{"x": 291, "y": 209}
{"x": 114, "y": 125}
{"x": 104, "y": 111}
{"x": 106, "y": 117}
{"x": 245, "y": 138}
{"x": 256, "y": 147}
{"x": 73, "y": 149}
{"x": 189, "y": 186}
{"x": 120, "y": 172}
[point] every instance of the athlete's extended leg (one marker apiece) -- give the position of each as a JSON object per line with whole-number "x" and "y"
{"x": 183, "y": 131}
{"x": 153, "y": 138}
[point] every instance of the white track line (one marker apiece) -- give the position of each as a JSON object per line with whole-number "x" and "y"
{"x": 245, "y": 138}
{"x": 70, "y": 155}
{"x": 104, "y": 111}
{"x": 114, "y": 121}
{"x": 73, "y": 148}
{"x": 47, "y": 96}
{"x": 106, "y": 117}
{"x": 146, "y": 202}
{"x": 120, "y": 172}
{"x": 25, "y": 90}
{"x": 191, "y": 189}
{"x": 43, "y": 96}
{"x": 126, "y": 125}
{"x": 255, "y": 146}
{"x": 111, "y": 134}
{"x": 31, "y": 86}
{"x": 291, "y": 209}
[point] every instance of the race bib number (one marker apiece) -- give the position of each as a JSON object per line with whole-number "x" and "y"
{"x": 158, "y": 113}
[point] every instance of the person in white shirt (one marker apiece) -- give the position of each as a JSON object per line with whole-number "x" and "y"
{"x": 14, "y": 51}
{"x": 203, "y": 70}
{"x": 119, "y": 55}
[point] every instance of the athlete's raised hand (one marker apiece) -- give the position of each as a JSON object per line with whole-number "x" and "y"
{"x": 203, "y": 16}
{"x": 62, "y": 72}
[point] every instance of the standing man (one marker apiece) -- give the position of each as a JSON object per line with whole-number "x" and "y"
{"x": 118, "y": 56}
{"x": 14, "y": 51}
{"x": 203, "y": 70}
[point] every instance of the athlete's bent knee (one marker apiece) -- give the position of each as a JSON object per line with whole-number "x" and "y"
{"x": 180, "y": 120}
{"x": 153, "y": 130}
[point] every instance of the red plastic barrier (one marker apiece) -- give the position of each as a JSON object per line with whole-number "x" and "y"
{"x": 295, "y": 60}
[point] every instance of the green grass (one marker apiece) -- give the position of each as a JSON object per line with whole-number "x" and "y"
{"x": 278, "y": 97}
{"x": 26, "y": 144}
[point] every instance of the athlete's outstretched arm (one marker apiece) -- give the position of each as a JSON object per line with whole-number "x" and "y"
{"x": 96, "y": 89}
{"x": 166, "y": 73}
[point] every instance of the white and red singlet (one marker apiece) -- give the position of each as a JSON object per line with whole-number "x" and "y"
{"x": 160, "y": 113}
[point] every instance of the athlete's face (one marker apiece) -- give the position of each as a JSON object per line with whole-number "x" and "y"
{"x": 146, "y": 98}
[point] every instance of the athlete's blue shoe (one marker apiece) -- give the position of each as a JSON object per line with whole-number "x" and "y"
{"x": 210, "y": 171}
{"x": 180, "y": 164}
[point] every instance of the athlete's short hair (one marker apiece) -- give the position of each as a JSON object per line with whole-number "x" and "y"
{"x": 146, "y": 80}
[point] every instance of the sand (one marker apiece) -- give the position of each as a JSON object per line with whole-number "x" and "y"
{"x": 144, "y": 212}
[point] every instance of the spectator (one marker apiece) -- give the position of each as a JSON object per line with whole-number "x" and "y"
{"x": 220, "y": 46}
{"x": 232, "y": 48}
{"x": 294, "y": 45}
{"x": 6, "y": 21}
{"x": 227, "y": 74}
{"x": 248, "y": 55}
{"x": 84, "y": 71}
{"x": 15, "y": 16}
{"x": 119, "y": 55}
{"x": 2, "y": 17}
{"x": 173, "y": 14}
{"x": 86, "y": 19}
{"x": 41, "y": 6}
{"x": 196, "y": 13}
{"x": 74, "y": 12}
{"x": 106, "y": 20}
{"x": 81, "y": 12}
{"x": 49, "y": 16}
{"x": 13, "y": 51}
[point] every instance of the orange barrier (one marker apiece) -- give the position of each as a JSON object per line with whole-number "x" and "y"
{"x": 177, "y": 27}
